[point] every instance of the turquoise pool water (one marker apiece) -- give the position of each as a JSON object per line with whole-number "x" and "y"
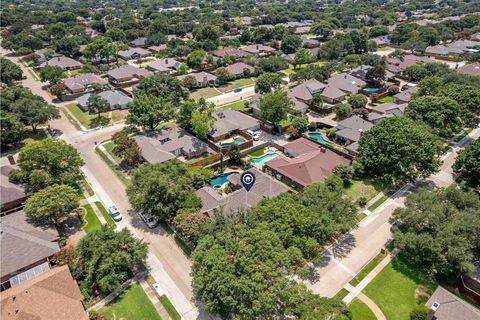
{"x": 238, "y": 141}
{"x": 220, "y": 180}
{"x": 260, "y": 161}
{"x": 372, "y": 89}
{"x": 317, "y": 136}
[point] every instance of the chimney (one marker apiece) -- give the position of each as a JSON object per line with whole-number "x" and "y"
{"x": 345, "y": 76}
{"x": 58, "y": 58}
{"x": 361, "y": 131}
{"x": 166, "y": 61}
{"x": 323, "y": 150}
{"x": 433, "y": 309}
{"x": 11, "y": 160}
{"x": 256, "y": 47}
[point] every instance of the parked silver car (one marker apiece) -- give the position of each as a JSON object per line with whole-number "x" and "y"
{"x": 114, "y": 213}
{"x": 149, "y": 220}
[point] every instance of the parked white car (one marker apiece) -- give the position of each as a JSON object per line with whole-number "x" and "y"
{"x": 255, "y": 136}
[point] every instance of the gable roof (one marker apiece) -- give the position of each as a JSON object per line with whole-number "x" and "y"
{"x": 81, "y": 80}
{"x": 307, "y": 89}
{"x": 309, "y": 167}
{"x": 52, "y": 295}
{"x": 229, "y": 120}
{"x": 264, "y": 187}
{"x": 301, "y": 146}
{"x": 113, "y": 97}
{"x": 406, "y": 95}
{"x": 128, "y": 71}
{"x": 24, "y": 243}
{"x": 127, "y": 54}
{"x": 352, "y": 128}
{"x": 238, "y": 67}
{"x": 9, "y": 191}
{"x": 346, "y": 82}
{"x": 449, "y": 306}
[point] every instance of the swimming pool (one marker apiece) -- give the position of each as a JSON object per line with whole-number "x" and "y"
{"x": 220, "y": 180}
{"x": 260, "y": 161}
{"x": 237, "y": 141}
{"x": 317, "y": 136}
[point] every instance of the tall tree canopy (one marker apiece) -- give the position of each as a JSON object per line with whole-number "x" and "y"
{"x": 398, "y": 150}
{"x": 10, "y": 71}
{"x": 439, "y": 230}
{"x": 467, "y": 164}
{"x": 149, "y": 112}
{"x": 164, "y": 86}
{"x": 275, "y": 106}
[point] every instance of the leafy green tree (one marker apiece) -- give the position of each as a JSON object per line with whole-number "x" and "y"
{"x": 398, "y": 149}
{"x": 441, "y": 114}
{"x": 191, "y": 226}
{"x": 34, "y": 111}
{"x": 162, "y": 190}
{"x": 97, "y": 105}
{"x": 290, "y": 43}
{"x": 302, "y": 56}
{"x": 149, "y": 111}
{"x": 376, "y": 73}
{"x": 271, "y": 64}
{"x": 183, "y": 69}
{"x": 116, "y": 34}
{"x": 357, "y": 101}
{"x": 54, "y": 161}
{"x": 195, "y": 58}
{"x": 223, "y": 75}
{"x": 52, "y": 75}
{"x": 317, "y": 101}
{"x": 275, "y": 106}
{"x": 322, "y": 29}
{"x": 10, "y": 71}
{"x": 126, "y": 148}
{"x": 437, "y": 230}
{"x": 267, "y": 81}
{"x": 163, "y": 86}
{"x": 200, "y": 176}
{"x": 52, "y": 204}
{"x": 344, "y": 172}
{"x": 468, "y": 97}
{"x": 342, "y": 110}
{"x": 234, "y": 154}
{"x": 104, "y": 259}
{"x": 201, "y": 123}
{"x": 67, "y": 46}
{"x": 467, "y": 164}
{"x": 11, "y": 129}
{"x": 299, "y": 125}
{"x": 190, "y": 82}
{"x": 207, "y": 36}
{"x": 418, "y": 71}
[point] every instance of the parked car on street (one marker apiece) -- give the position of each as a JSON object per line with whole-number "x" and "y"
{"x": 149, "y": 220}
{"x": 114, "y": 213}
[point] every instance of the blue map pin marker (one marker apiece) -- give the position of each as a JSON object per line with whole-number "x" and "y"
{"x": 248, "y": 180}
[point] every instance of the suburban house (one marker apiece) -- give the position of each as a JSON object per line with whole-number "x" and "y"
{"x": 126, "y": 75}
{"x": 230, "y": 51}
{"x": 347, "y": 83}
{"x": 115, "y": 98}
{"x": 84, "y": 82}
{"x": 310, "y": 42}
{"x": 386, "y": 110}
{"x": 305, "y": 91}
{"x": 382, "y": 41}
{"x": 259, "y": 50}
{"x": 306, "y": 162}
{"x": 264, "y": 187}
{"x": 405, "y": 95}
{"x": 138, "y": 42}
{"x": 13, "y": 195}
{"x": 397, "y": 65}
{"x": 203, "y": 78}
{"x": 453, "y": 50}
{"x": 350, "y": 129}
{"x": 26, "y": 249}
{"x": 169, "y": 144}
{"x": 62, "y": 62}
{"x": 166, "y": 65}
{"x": 228, "y": 122}
{"x": 471, "y": 69}
{"x": 240, "y": 69}
{"x": 51, "y": 295}
{"x": 444, "y": 305}
{"x": 133, "y": 53}
{"x": 469, "y": 284}
{"x": 157, "y": 49}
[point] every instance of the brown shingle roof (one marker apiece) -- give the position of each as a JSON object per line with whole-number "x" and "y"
{"x": 234, "y": 52}
{"x": 238, "y": 67}
{"x": 52, "y": 295}
{"x": 472, "y": 69}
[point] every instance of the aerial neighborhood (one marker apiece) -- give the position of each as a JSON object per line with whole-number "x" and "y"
{"x": 233, "y": 160}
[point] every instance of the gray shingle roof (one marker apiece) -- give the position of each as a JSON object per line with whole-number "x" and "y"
{"x": 10, "y": 192}
{"x": 82, "y": 80}
{"x": 164, "y": 64}
{"x": 113, "y": 97}
{"x": 128, "y": 71}
{"x": 238, "y": 67}
{"x": 346, "y": 82}
{"x": 62, "y": 62}
{"x": 229, "y": 120}
{"x": 200, "y": 77}
{"x": 128, "y": 53}
{"x": 450, "y": 307}
{"x": 24, "y": 243}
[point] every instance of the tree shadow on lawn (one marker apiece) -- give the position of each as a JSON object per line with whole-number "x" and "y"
{"x": 99, "y": 122}
{"x": 412, "y": 271}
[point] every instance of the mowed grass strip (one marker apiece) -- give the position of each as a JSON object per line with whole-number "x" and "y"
{"x": 91, "y": 220}
{"x": 360, "y": 311}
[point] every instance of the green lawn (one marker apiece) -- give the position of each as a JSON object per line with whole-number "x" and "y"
{"x": 341, "y": 294}
{"x": 172, "y": 312}
{"x": 109, "y": 147}
{"x": 367, "y": 269}
{"x": 258, "y": 153}
{"x": 291, "y": 70}
{"x": 132, "y": 304}
{"x": 363, "y": 188}
{"x": 87, "y": 187}
{"x": 239, "y": 83}
{"x": 84, "y": 118}
{"x": 360, "y": 311}
{"x": 239, "y": 105}
{"x": 105, "y": 214}
{"x": 377, "y": 203}
{"x": 393, "y": 289}
{"x": 91, "y": 220}
{"x": 207, "y": 92}
{"x": 386, "y": 99}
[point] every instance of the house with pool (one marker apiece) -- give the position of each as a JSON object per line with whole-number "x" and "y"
{"x": 228, "y": 126}
{"x": 214, "y": 202}
{"x": 164, "y": 145}
{"x": 304, "y": 162}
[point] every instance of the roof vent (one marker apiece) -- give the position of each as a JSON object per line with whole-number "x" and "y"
{"x": 435, "y": 306}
